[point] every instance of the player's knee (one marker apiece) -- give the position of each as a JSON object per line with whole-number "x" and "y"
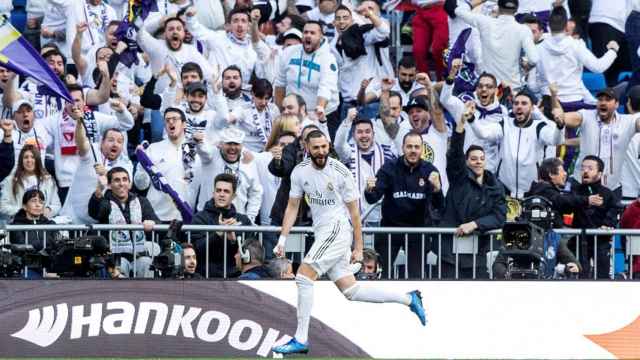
{"x": 350, "y": 292}
{"x": 303, "y": 281}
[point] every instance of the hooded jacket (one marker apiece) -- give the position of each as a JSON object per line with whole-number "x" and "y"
{"x": 562, "y": 61}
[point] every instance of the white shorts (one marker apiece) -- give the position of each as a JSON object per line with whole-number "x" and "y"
{"x": 331, "y": 251}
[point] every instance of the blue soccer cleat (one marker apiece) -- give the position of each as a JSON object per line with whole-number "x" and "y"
{"x": 292, "y": 347}
{"x": 416, "y": 306}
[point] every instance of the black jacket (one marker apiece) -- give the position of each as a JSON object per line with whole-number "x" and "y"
{"x": 595, "y": 216}
{"x": 466, "y": 199}
{"x": 35, "y": 237}
{"x": 100, "y": 209}
{"x": 409, "y": 197}
{"x": 7, "y": 159}
{"x": 563, "y": 202}
{"x": 210, "y": 216}
{"x": 292, "y": 155}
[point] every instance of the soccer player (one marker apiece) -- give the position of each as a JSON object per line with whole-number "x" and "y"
{"x": 332, "y": 196}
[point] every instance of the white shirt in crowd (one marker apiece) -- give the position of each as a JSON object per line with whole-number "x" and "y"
{"x": 11, "y": 202}
{"x": 326, "y": 191}
{"x": 613, "y": 13}
{"x": 249, "y": 191}
{"x": 630, "y": 175}
{"x": 270, "y": 185}
{"x": 562, "y": 61}
{"x": 503, "y": 41}
{"x": 609, "y": 142}
{"x": 167, "y": 157}
{"x": 85, "y": 181}
{"x": 310, "y": 75}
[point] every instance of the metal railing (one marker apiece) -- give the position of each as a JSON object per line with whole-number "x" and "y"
{"x": 429, "y": 267}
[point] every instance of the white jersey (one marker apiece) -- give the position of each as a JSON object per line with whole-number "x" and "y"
{"x": 630, "y": 177}
{"x": 325, "y": 190}
{"x": 609, "y": 142}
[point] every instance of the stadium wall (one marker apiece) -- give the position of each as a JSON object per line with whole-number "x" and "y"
{"x": 145, "y": 318}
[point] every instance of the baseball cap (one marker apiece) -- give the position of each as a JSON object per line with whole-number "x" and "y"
{"x": 196, "y": 86}
{"x": 508, "y": 4}
{"x": 16, "y": 105}
{"x": 610, "y": 92}
{"x": 232, "y": 135}
{"x": 292, "y": 33}
{"x": 419, "y": 102}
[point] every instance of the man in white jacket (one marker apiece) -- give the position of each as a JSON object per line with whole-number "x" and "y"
{"x": 229, "y": 158}
{"x": 562, "y": 60}
{"x": 310, "y": 70}
{"x": 523, "y": 138}
{"x": 630, "y": 177}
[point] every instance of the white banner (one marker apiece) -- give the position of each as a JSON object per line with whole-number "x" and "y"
{"x": 532, "y": 319}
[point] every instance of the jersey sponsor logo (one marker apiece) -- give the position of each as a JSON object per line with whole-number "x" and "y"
{"x": 408, "y": 195}
{"x": 316, "y": 198}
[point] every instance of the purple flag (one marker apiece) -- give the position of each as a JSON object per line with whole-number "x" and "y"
{"x": 17, "y": 55}
{"x": 127, "y": 30}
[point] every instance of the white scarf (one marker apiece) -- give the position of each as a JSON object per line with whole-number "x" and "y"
{"x": 121, "y": 240}
{"x": 361, "y": 172}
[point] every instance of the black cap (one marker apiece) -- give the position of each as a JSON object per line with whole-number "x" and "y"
{"x": 196, "y": 86}
{"x": 610, "y": 92}
{"x": 420, "y": 101}
{"x": 508, "y": 4}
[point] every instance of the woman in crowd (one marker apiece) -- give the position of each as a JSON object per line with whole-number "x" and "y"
{"x": 29, "y": 174}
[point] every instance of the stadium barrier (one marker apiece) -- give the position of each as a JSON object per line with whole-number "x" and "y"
{"x": 431, "y": 265}
{"x": 244, "y": 319}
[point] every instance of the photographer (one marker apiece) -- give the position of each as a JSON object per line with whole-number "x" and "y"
{"x": 118, "y": 205}
{"x": 218, "y": 211}
{"x": 475, "y": 201}
{"x": 190, "y": 261}
{"x": 32, "y": 214}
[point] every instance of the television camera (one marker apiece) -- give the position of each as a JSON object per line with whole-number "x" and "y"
{"x": 169, "y": 264}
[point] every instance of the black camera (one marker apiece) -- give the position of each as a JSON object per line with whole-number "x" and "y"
{"x": 80, "y": 257}
{"x": 524, "y": 239}
{"x": 14, "y": 258}
{"x": 168, "y": 264}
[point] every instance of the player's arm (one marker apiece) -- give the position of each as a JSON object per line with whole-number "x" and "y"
{"x": 354, "y": 213}
{"x": 290, "y": 215}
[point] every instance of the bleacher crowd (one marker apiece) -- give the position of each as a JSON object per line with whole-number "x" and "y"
{"x": 198, "y": 110}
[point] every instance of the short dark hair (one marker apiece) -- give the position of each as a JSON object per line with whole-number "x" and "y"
{"x": 232, "y": 68}
{"x": 528, "y": 94}
{"x": 473, "y": 148}
{"x": 343, "y": 8}
{"x": 596, "y": 159}
{"x": 116, "y": 170}
{"x": 30, "y": 194}
{"x": 407, "y": 62}
{"x": 393, "y": 94}
{"x": 75, "y": 87}
{"x": 183, "y": 117}
{"x": 262, "y": 88}
{"x": 362, "y": 120}
{"x": 487, "y": 75}
{"x": 530, "y": 19}
{"x": 549, "y": 167}
{"x": 558, "y": 19}
{"x": 320, "y": 25}
{"x": 238, "y": 10}
{"x": 314, "y": 134}
{"x": 228, "y": 178}
{"x": 54, "y": 52}
{"x": 369, "y": 254}
{"x": 191, "y": 67}
{"x": 410, "y": 134}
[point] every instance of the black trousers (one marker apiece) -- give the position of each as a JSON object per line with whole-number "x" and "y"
{"x": 333, "y": 122}
{"x": 600, "y": 35}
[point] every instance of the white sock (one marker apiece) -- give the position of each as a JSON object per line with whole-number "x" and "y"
{"x": 305, "y": 303}
{"x": 375, "y": 295}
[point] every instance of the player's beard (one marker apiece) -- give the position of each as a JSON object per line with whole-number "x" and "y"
{"x": 319, "y": 161}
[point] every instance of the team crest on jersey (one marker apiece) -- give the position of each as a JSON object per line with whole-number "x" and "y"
{"x": 330, "y": 186}
{"x": 427, "y": 153}
{"x": 421, "y": 182}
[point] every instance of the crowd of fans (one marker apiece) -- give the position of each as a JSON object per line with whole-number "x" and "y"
{"x": 490, "y": 108}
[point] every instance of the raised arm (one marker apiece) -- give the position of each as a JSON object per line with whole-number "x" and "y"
{"x": 76, "y": 49}
{"x": 101, "y": 95}
{"x": 342, "y": 134}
